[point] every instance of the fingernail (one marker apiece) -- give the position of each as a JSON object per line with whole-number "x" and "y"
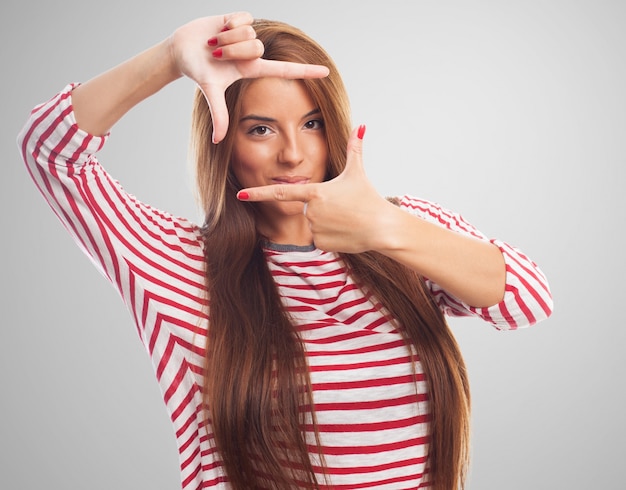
{"x": 243, "y": 196}
{"x": 361, "y": 131}
{"x": 217, "y": 53}
{"x": 212, "y": 41}
{"x": 225, "y": 28}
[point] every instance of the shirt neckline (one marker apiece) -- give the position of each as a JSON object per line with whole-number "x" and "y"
{"x": 279, "y": 247}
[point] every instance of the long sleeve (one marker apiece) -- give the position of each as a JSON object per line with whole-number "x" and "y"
{"x": 154, "y": 260}
{"x": 527, "y": 298}
{"x": 128, "y": 241}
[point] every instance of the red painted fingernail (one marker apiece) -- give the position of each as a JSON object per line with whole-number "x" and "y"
{"x": 243, "y": 196}
{"x": 361, "y": 131}
{"x": 217, "y": 53}
{"x": 212, "y": 41}
{"x": 225, "y": 28}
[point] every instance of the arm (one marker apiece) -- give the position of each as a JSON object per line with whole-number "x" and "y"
{"x": 347, "y": 215}
{"x": 467, "y": 267}
{"x": 527, "y": 298}
{"x": 103, "y": 100}
{"x": 233, "y": 53}
{"x": 58, "y": 143}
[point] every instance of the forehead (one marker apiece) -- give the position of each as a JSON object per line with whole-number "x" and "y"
{"x": 276, "y": 95}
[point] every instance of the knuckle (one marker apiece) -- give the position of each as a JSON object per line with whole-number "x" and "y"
{"x": 356, "y": 148}
{"x": 260, "y": 48}
{"x": 315, "y": 196}
{"x": 316, "y": 192}
{"x": 280, "y": 192}
{"x": 250, "y": 32}
{"x": 239, "y": 18}
{"x": 246, "y": 17}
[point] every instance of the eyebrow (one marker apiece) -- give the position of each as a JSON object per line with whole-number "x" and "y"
{"x": 254, "y": 117}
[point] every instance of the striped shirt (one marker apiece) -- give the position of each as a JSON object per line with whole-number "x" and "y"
{"x": 372, "y": 425}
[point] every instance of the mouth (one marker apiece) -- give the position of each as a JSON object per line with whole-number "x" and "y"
{"x": 290, "y": 180}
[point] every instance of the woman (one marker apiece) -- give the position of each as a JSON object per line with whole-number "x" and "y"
{"x": 299, "y": 335}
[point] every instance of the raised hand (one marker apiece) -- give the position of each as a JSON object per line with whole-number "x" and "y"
{"x": 345, "y": 214}
{"x": 212, "y": 51}
{"x": 216, "y": 51}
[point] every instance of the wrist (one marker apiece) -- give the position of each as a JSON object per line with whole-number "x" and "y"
{"x": 171, "y": 65}
{"x": 390, "y": 229}
{"x": 161, "y": 66}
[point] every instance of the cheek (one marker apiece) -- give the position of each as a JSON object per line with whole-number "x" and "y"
{"x": 242, "y": 172}
{"x": 322, "y": 163}
{"x": 315, "y": 152}
{"x": 247, "y": 167}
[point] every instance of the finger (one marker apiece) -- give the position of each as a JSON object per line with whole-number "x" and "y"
{"x": 279, "y": 192}
{"x": 285, "y": 69}
{"x": 249, "y": 49}
{"x": 219, "y": 112}
{"x": 354, "y": 160}
{"x": 237, "y": 19}
{"x": 233, "y": 36}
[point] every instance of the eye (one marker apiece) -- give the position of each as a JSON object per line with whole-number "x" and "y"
{"x": 314, "y": 124}
{"x": 259, "y": 131}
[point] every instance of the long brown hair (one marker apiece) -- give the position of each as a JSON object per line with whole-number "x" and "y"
{"x": 256, "y": 382}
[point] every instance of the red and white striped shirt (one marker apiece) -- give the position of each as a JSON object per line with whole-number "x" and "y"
{"x": 372, "y": 426}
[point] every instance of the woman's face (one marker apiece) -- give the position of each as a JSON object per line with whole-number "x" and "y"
{"x": 279, "y": 139}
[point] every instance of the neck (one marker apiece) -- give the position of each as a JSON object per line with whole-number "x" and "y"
{"x": 285, "y": 230}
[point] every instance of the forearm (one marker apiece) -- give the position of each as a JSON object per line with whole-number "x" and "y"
{"x": 471, "y": 269}
{"x": 100, "y": 102}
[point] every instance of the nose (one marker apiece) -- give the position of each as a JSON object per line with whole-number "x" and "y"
{"x": 290, "y": 152}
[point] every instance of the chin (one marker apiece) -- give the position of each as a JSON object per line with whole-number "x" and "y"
{"x": 277, "y": 209}
{"x": 291, "y": 208}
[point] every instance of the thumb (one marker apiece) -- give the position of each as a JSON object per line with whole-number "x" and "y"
{"x": 354, "y": 158}
{"x": 219, "y": 112}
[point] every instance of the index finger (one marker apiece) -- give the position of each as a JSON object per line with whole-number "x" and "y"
{"x": 286, "y": 69}
{"x": 278, "y": 192}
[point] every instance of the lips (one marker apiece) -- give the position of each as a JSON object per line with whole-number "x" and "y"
{"x": 291, "y": 180}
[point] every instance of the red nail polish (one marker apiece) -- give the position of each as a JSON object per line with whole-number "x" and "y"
{"x": 225, "y": 28}
{"x": 212, "y": 41}
{"x": 361, "y": 131}
{"x": 217, "y": 53}
{"x": 243, "y": 196}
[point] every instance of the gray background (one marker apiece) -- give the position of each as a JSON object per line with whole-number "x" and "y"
{"x": 513, "y": 113}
